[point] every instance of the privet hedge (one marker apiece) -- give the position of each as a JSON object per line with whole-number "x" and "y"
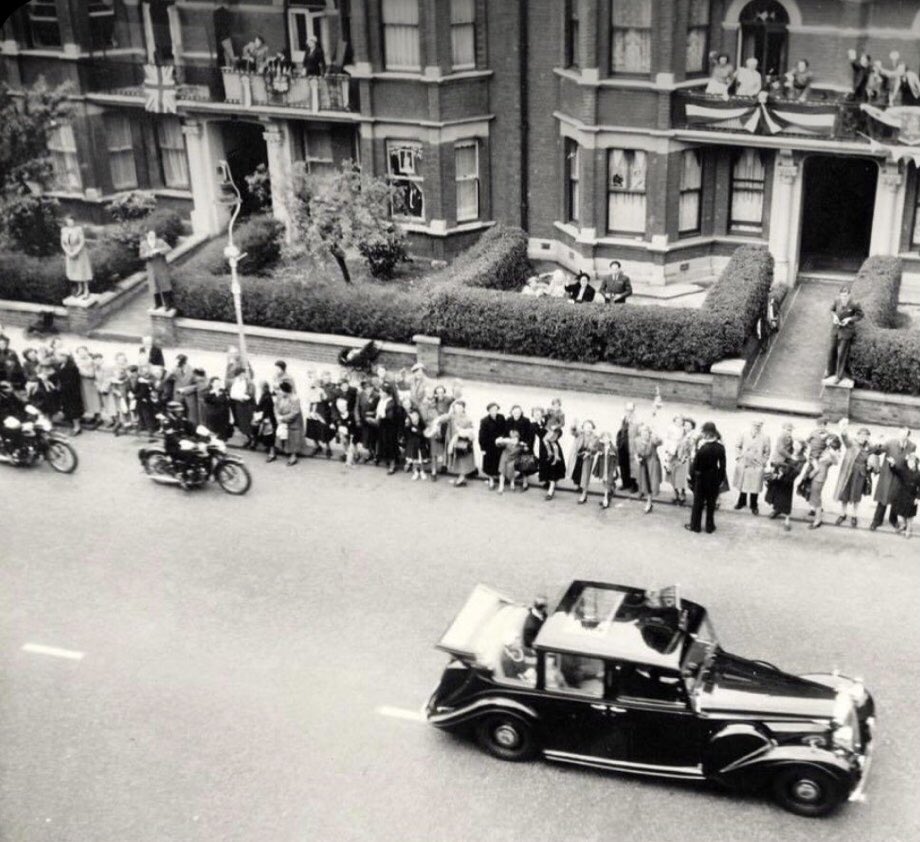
{"x": 469, "y": 305}
{"x": 883, "y": 357}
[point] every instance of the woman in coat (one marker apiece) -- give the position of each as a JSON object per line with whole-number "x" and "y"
{"x": 216, "y": 408}
{"x": 86, "y": 365}
{"x": 69, "y": 381}
{"x": 680, "y": 461}
{"x": 707, "y": 474}
{"x": 854, "y": 479}
{"x": 780, "y": 488}
{"x": 888, "y": 486}
{"x": 289, "y": 434}
{"x": 830, "y": 456}
{"x": 460, "y": 435}
{"x": 437, "y": 408}
{"x": 551, "y": 461}
{"x": 905, "y": 504}
{"x": 492, "y": 427}
{"x": 242, "y": 395}
{"x": 153, "y": 252}
{"x": 752, "y": 453}
{"x": 517, "y": 421}
{"x": 585, "y": 446}
{"x": 647, "y": 465}
{"x": 264, "y": 422}
{"x": 76, "y": 258}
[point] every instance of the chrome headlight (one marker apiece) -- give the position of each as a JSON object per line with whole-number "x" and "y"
{"x": 845, "y": 733}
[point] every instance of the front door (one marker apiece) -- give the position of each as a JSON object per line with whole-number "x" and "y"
{"x": 837, "y": 210}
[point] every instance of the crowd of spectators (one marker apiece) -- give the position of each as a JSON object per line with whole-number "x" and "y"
{"x": 404, "y": 421}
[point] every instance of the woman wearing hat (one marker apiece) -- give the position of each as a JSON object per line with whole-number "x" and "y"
{"x": 460, "y": 436}
{"x": 707, "y": 473}
{"x": 491, "y": 428}
{"x": 290, "y": 422}
{"x": 752, "y": 453}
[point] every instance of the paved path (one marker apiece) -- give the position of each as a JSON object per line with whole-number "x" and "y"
{"x": 252, "y": 667}
{"x": 131, "y": 320}
{"x": 794, "y": 365}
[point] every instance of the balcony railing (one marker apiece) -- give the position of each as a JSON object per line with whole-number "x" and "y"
{"x": 239, "y": 88}
{"x": 826, "y": 115}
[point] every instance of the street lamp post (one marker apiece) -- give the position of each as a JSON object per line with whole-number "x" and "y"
{"x": 230, "y": 196}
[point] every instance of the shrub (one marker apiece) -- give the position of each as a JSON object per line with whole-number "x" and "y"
{"x": 383, "y": 251}
{"x": 167, "y": 223}
{"x": 259, "y": 237}
{"x": 134, "y": 204}
{"x": 31, "y": 224}
{"x": 36, "y": 280}
{"x": 498, "y": 260}
{"x": 883, "y": 358}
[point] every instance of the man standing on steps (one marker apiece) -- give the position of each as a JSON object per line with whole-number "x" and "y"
{"x": 844, "y": 314}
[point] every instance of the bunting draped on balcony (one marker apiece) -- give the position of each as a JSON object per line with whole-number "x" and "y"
{"x": 160, "y": 88}
{"x": 762, "y": 117}
{"x": 904, "y": 119}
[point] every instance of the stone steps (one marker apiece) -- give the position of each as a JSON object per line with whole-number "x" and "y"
{"x": 762, "y": 402}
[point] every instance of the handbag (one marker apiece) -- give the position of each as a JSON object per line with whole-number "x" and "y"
{"x": 265, "y": 427}
{"x": 526, "y": 464}
{"x": 462, "y": 446}
{"x": 867, "y": 485}
{"x": 283, "y": 431}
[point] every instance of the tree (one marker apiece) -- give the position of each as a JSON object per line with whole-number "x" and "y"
{"x": 27, "y": 217}
{"x": 334, "y": 214}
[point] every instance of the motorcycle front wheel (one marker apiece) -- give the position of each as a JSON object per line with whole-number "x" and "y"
{"x": 157, "y": 464}
{"x": 233, "y": 477}
{"x": 62, "y": 457}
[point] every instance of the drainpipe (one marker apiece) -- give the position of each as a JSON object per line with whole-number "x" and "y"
{"x": 525, "y": 132}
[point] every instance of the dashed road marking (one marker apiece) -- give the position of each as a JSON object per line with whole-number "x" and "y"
{"x": 53, "y": 651}
{"x": 402, "y": 713}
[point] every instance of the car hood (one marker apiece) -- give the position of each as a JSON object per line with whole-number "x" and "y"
{"x": 737, "y": 685}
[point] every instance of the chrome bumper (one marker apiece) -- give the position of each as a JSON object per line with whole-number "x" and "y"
{"x": 865, "y": 762}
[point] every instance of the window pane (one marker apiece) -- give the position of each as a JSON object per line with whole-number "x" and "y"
{"x": 916, "y": 237}
{"x": 121, "y": 151}
{"x": 466, "y": 162}
{"x": 400, "y": 34}
{"x": 631, "y": 13}
{"x": 575, "y": 675}
{"x": 689, "y": 214}
{"x": 747, "y": 192}
{"x": 626, "y": 180}
{"x": 63, "y": 147}
{"x": 698, "y": 13}
{"x": 626, "y": 212}
{"x": 462, "y": 11}
{"x": 467, "y": 200}
{"x": 691, "y": 174}
{"x": 400, "y": 11}
{"x": 463, "y": 46}
{"x": 631, "y": 37}
{"x": 696, "y": 49}
{"x": 172, "y": 153}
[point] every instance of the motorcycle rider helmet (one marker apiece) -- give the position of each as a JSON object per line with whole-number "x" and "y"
{"x": 175, "y": 408}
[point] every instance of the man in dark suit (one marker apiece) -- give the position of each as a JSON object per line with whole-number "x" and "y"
{"x": 581, "y": 292}
{"x": 534, "y": 621}
{"x": 844, "y": 314}
{"x": 617, "y": 287}
{"x": 893, "y": 453}
{"x": 707, "y": 472}
{"x": 151, "y": 352}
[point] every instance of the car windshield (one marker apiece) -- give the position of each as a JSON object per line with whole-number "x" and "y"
{"x": 703, "y": 644}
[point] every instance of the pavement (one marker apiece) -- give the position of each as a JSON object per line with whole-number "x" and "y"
{"x": 606, "y": 410}
{"x": 195, "y": 666}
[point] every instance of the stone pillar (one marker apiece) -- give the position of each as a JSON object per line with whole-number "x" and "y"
{"x": 82, "y": 314}
{"x": 163, "y": 327}
{"x": 727, "y": 379}
{"x": 428, "y": 353}
{"x": 835, "y": 399}
{"x": 280, "y": 170}
{"x": 207, "y": 217}
{"x": 889, "y": 209}
{"x": 783, "y": 219}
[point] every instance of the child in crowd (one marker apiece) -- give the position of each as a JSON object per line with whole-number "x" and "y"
{"x": 345, "y": 430}
{"x": 416, "y": 445}
{"x": 555, "y": 417}
{"x": 551, "y": 461}
{"x": 605, "y": 467}
{"x": 512, "y": 447}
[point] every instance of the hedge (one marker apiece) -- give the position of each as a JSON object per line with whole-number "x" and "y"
{"x": 258, "y": 237}
{"x": 497, "y": 260}
{"x": 465, "y": 314}
{"x": 883, "y": 358}
{"x": 113, "y": 256}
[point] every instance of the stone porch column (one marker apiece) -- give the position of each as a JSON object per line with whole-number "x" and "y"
{"x": 207, "y": 217}
{"x": 280, "y": 170}
{"x": 784, "y": 218}
{"x": 889, "y": 211}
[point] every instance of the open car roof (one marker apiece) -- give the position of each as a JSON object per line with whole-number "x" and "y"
{"x": 617, "y": 622}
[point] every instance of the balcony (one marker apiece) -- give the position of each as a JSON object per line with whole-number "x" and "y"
{"x": 827, "y": 115}
{"x": 222, "y": 89}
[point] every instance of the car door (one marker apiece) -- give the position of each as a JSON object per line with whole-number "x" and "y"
{"x": 580, "y": 722}
{"x": 665, "y": 735}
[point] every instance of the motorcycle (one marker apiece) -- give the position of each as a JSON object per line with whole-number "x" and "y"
{"x": 207, "y": 459}
{"x": 25, "y": 443}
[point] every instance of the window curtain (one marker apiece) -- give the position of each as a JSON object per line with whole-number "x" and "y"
{"x": 747, "y": 191}
{"x": 573, "y": 197}
{"x": 691, "y": 189}
{"x": 626, "y": 190}
{"x": 121, "y": 151}
{"x": 172, "y": 153}
{"x": 400, "y": 35}
{"x": 466, "y": 158}
{"x": 631, "y": 41}
{"x": 62, "y": 144}
{"x": 697, "y": 35}
{"x": 463, "y": 33}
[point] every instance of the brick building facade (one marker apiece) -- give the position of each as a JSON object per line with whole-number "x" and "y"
{"x": 583, "y": 121}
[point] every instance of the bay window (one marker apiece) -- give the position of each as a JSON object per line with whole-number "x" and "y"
{"x": 691, "y": 192}
{"x": 120, "y": 145}
{"x": 403, "y": 159}
{"x": 44, "y": 29}
{"x": 572, "y": 192}
{"x": 626, "y": 190}
{"x": 173, "y": 157}
{"x": 466, "y": 177}
{"x": 630, "y": 36}
{"x": 62, "y": 144}
{"x": 748, "y": 184}
{"x": 698, "y": 36}
{"x": 462, "y": 34}
{"x": 401, "y": 35}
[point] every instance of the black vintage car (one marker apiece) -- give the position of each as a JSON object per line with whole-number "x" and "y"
{"x": 635, "y": 681}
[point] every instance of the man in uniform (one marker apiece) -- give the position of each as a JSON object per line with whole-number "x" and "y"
{"x": 616, "y": 288}
{"x": 176, "y": 429}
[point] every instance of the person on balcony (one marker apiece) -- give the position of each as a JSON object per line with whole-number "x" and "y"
{"x": 255, "y": 55}
{"x": 721, "y": 75}
{"x": 798, "y": 81}
{"x": 861, "y": 65}
{"x": 314, "y": 60}
{"x": 900, "y": 80}
{"x": 748, "y": 79}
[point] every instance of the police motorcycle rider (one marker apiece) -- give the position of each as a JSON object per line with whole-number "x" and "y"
{"x": 12, "y": 414}
{"x": 179, "y": 435}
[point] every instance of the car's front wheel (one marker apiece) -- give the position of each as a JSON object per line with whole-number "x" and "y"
{"x": 807, "y": 791}
{"x": 506, "y": 737}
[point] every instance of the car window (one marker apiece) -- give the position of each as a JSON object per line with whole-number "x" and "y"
{"x": 644, "y": 683}
{"x": 516, "y": 665}
{"x": 574, "y": 674}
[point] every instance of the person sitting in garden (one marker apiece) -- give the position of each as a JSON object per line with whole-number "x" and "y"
{"x": 721, "y": 74}
{"x": 581, "y": 292}
{"x": 551, "y": 284}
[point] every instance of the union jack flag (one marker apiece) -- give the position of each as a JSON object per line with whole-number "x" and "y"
{"x": 160, "y": 88}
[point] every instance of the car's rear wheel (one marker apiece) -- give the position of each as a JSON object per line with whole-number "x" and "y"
{"x": 807, "y": 791}
{"x": 506, "y": 737}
